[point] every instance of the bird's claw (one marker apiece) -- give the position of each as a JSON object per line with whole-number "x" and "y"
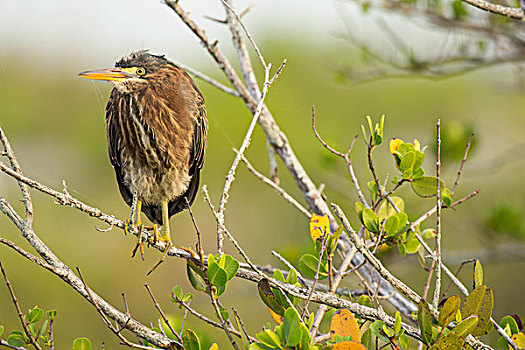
{"x": 140, "y": 243}
{"x": 164, "y": 254}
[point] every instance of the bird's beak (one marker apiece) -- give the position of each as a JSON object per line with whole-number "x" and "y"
{"x": 109, "y": 74}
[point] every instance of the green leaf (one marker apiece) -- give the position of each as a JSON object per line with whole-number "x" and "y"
{"x": 397, "y": 324}
{"x": 268, "y": 297}
{"x": 278, "y": 275}
{"x": 291, "y": 327}
{"x": 187, "y": 297}
{"x": 190, "y": 340}
{"x": 480, "y": 303}
{"x": 372, "y": 188}
{"x": 245, "y": 341}
{"x": 402, "y": 248}
{"x": 269, "y": 338}
{"x": 391, "y": 225}
{"x": 16, "y": 340}
{"x": 52, "y": 314}
{"x": 507, "y": 320}
{"x": 466, "y": 326}
{"x": 370, "y": 220}
{"x": 377, "y": 329}
{"x": 418, "y": 173}
{"x": 230, "y": 265}
{"x": 364, "y": 300}
{"x": 1, "y": 330}
{"x": 366, "y": 339}
{"x": 292, "y": 277}
{"x": 359, "y": 207}
{"x": 386, "y": 209}
{"x": 308, "y": 266}
{"x": 404, "y": 341}
{"x": 451, "y": 341}
{"x": 426, "y": 186}
{"x": 424, "y": 318}
{"x": 281, "y": 298}
{"x": 333, "y": 239}
{"x": 447, "y": 313}
{"x": 81, "y": 344}
{"x": 389, "y": 332}
{"x": 446, "y": 196}
{"x": 224, "y": 313}
{"x": 305, "y": 337}
{"x": 478, "y": 274}
{"x": 194, "y": 276}
{"x": 412, "y": 245}
{"x": 43, "y": 328}
{"x": 35, "y": 315}
{"x": 217, "y": 275}
{"x": 177, "y": 292}
{"x": 419, "y": 159}
{"x": 407, "y": 163}
{"x": 33, "y": 329}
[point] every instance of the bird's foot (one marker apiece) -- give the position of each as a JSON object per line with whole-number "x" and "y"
{"x": 164, "y": 254}
{"x": 140, "y": 243}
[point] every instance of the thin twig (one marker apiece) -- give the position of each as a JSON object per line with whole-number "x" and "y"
{"x": 108, "y": 323}
{"x": 206, "y": 319}
{"x": 246, "y": 142}
{"x": 164, "y": 318}
{"x": 273, "y": 163}
{"x": 243, "y": 329}
{"x": 277, "y": 188}
{"x": 7, "y": 345}
{"x": 32, "y": 339}
{"x": 290, "y": 266}
{"x": 316, "y": 277}
{"x": 463, "y": 161}
{"x": 437, "y": 290}
{"x": 8, "y": 151}
{"x": 227, "y": 233}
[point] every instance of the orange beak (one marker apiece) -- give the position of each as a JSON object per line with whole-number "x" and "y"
{"x": 108, "y": 74}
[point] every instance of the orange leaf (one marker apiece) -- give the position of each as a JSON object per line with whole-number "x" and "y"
{"x": 276, "y": 317}
{"x": 319, "y": 226}
{"x": 349, "y": 345}
{"x": 343, "y": 323}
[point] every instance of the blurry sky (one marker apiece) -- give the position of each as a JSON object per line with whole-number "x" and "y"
{"x": 101, "y": 30}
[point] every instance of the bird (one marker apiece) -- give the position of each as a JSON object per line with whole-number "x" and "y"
{"x": 156, "y": 127}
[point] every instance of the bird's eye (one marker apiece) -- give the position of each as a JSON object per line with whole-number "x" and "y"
{"x": 140, "y": 71}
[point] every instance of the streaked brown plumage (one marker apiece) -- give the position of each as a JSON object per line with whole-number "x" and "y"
{"x": 156, "y": 131}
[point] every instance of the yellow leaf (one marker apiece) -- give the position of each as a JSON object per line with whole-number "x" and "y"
{"x": 319, "y": 226}
{"x": 394, "y": 144}
{"x": 417, "y": 145}
{"x": 344, "y": 324}
{"x": 276, "y": 317}
{"x": 348, "y": 345}
{"x": 519, "y": 340}
{"x": 214, "y": 346}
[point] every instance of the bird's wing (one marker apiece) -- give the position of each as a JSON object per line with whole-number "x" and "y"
{"x": 111, "y": 132}
{"x": 199, "y": 137}
{"x": 113, "y": 144}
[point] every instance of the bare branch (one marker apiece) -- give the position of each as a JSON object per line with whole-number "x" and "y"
{"x": 437, "y": 290}
{"x": 16, "y": 167}
{"x": 164, "y": 318}
{"x": 32, "y": 339}
{"x": 510, "y": 12}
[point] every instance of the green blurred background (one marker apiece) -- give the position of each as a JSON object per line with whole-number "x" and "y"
{"x": 55, "y": 122}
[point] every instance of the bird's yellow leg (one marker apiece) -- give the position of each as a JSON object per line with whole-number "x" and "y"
{"x": 164, "y": 233}
{"x": 138, "y": 224}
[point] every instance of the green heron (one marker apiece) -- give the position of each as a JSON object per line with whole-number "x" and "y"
{"x": 156, "y": 131}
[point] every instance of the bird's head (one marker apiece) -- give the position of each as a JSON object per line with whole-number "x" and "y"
{"x": 134, "y": 72}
